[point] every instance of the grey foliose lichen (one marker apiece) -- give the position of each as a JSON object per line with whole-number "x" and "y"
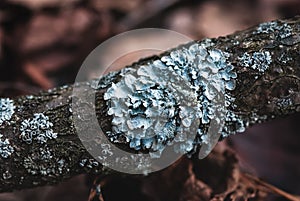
{"x": 258, "y": 60}
{"x": 7, "y": 109}
{"x": 274, "y": 29}
{"x": 146, "y": 105}
{"x": 38, "y": 128}
{"x": 6, "y": 149}
{"x": 168, "y": 100}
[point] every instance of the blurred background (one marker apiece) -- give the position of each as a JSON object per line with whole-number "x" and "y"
{"x": 44, "y": 42}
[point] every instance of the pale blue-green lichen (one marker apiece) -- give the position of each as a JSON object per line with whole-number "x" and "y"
{"x": 145, "y": 105}
{"x": 279, "y": 30}
{"x": 38, "y": 128}
{"x": 258, "y": 60}
{"x": 7, "y": 109}
{"x": 6, "y": 150}
{"x": 166, "y": 101}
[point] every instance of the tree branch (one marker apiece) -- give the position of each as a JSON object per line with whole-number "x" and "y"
{"x": 39, "y": 143}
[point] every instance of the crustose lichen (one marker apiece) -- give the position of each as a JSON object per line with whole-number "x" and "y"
{"x": 258, "y": 60}
{"x": 6, "y": 109}
{"x": 44, "y": 162}
{"x": 5, "y": 148}
{"x": 273, "y": 28}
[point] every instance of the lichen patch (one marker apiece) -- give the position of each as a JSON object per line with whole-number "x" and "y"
{"x": 168, "y": 100}
{"x": 259, "y": 61}
{"x": 44, "y": 162}
{"x": 7, "y": 109}
{"x": 38, "y": 128}
{"x": 275, "y": 29}
{"x": 6, "y": 150}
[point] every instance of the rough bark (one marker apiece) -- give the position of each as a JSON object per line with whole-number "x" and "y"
{"x": 258, "y": 97}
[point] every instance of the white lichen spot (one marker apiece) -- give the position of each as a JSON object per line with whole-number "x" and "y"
{"x": 284, "y": 103}
{"x": 281, "y": 31}
{"x": 7, "y": 109}
{"x": 38, "y": 128}
{"x": 62, "y": 166}
{"x": 167, "y": 100}
{"x": 267, "y": 27}
{"x": 254, "y": 117}
{"x": 89, "y": 163}
{"x": 6, "y": 149}
{"x": 258, "y": 60}
{"x": 6, "y": 175}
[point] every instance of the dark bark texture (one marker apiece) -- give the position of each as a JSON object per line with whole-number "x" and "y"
{"x": 258, "y": 97}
